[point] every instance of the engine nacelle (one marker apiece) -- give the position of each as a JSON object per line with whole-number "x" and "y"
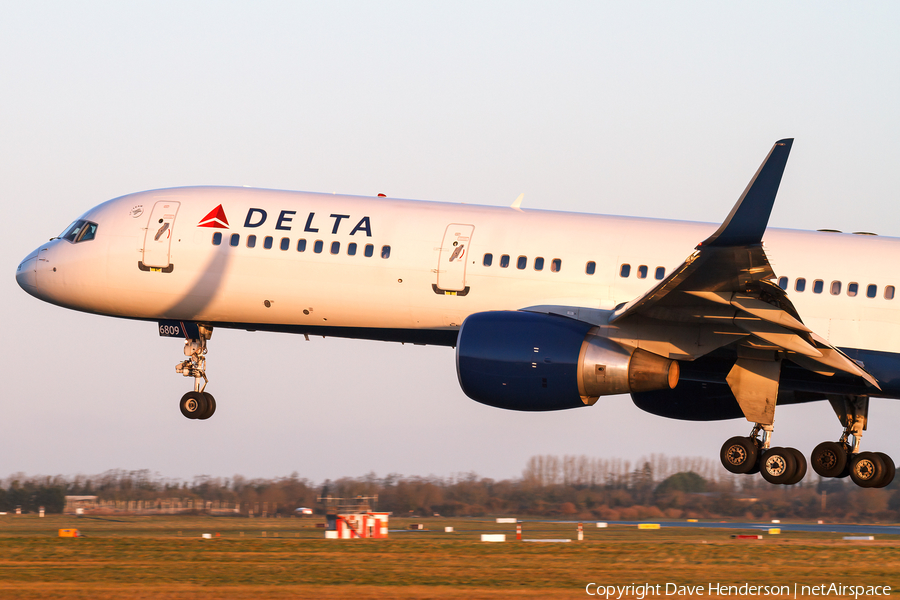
{"x": 535, "y": 362}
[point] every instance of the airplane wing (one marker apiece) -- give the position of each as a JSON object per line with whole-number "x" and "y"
{"x": 727, "y": 281}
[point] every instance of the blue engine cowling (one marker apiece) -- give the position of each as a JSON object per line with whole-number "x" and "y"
{"x": 520, "y": 360}
{"x": 536, "y": 362}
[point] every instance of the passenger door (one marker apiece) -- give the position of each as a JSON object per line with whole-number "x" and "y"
{"x": 158, "y": 237}
{"x": 454, "y": 255}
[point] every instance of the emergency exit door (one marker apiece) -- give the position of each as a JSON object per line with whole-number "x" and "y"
{"x": 454, "y": 255}
{"x": 158, "y": 237}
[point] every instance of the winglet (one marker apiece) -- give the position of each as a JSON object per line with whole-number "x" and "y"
{"x": 748, "y": 219}
{"x": 517, "y": 204}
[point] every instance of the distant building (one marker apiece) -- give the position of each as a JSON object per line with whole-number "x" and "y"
{"x": 76, "y": 505}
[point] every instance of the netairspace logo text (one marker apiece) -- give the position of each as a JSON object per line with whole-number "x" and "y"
{"x": 651, "y": 590}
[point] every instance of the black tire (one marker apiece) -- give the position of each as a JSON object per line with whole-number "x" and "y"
{"x": 193, "y": 404}
{"x": 210, "y": 407}
{"x": 755, "y": 468}
{"x": 829, "y": 459}
{"x": 777, "y": 465}
{"x": 800, "y": 471}
{"x": 889, "y": 471}
{"x": 739, "y": 454}
{"x": 867, "y": 469}
{"x": 846, "y": 472}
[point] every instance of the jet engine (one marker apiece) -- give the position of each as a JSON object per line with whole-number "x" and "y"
{"x": 537, "y": 362}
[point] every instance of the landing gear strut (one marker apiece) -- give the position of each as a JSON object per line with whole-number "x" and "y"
{"x": 197, "y": 404}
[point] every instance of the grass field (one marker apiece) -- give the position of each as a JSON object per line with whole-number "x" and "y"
{"x": 165, "y": 557}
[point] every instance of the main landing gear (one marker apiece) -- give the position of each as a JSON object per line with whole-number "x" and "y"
{"x": 197, "y": 404}
{"x": 787, "y": 466}
{"x": 752, "y": 454}
{"x": 843, "y": 458}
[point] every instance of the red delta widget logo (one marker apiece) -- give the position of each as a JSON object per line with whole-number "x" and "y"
{"x": 216, "y": 218}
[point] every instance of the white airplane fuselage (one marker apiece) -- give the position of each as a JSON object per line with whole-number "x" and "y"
{"x": 415, "y": 293}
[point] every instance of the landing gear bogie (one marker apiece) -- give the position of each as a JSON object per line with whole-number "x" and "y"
{"x": 750, "y": 455}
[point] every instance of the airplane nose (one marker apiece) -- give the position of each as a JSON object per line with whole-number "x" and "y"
{"x": 26, "y": 274}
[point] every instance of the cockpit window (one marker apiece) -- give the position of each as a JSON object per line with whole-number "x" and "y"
{"x": 90, "y": 230}
{"x": 80, "y": 231}
{"x": 72, "y": 231}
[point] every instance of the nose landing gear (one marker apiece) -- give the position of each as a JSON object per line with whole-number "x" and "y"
{"x": 197, "y": 404}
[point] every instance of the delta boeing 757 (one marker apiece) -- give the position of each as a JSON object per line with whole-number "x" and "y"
{"x": 547, "y": 310}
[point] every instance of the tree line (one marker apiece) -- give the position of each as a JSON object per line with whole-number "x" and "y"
{"x": 570, "y": 487}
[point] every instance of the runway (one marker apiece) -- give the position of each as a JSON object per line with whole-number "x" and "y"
{"x": 843, "y": 528}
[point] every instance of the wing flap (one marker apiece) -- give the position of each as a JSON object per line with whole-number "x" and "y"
{"x": 778, "y": 336}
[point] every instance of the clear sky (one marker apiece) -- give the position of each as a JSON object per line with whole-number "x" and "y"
{"x": 640, "y": 108}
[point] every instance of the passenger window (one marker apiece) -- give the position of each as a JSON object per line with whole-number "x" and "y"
{"x": 835, "y": 288}
{"x": 217, "y": 238}
{"x": 625, "y": 271}
{"x": 351, "y": 249}
{"x": 335, "y": 247}
{"x": 590, "y": 268}
{"x": 521, "y": 262}
{"x": 642, "y": 272}
{"x": 818, "y": 286}
{"x": 782, "y": 282}
{"x": 539, "y": 263}
{"x": 852, "y": 289}
{"x": 267, "y": 242}
{"x": 317, "y": 247}
{"x": 251, "y": 241}
{"x": 488, "y": 259}
{"x": 285, "y": 243}
{"x": 889, "y": 292}
{"x": 235, "y": 239}
{"x": 504, "y": 261}
{"x": 800, "y": 284}
{"x": 871, "y": 291}
{"x": 660, "y": 272}
{"x": 301, "y": 245}
{"x": 385, "y": 252}
{"x": 369, "y": 251}
{"x": 555, "y": 265}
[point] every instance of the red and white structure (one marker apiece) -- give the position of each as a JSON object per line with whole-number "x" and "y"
{"x": 359, "y": 525}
